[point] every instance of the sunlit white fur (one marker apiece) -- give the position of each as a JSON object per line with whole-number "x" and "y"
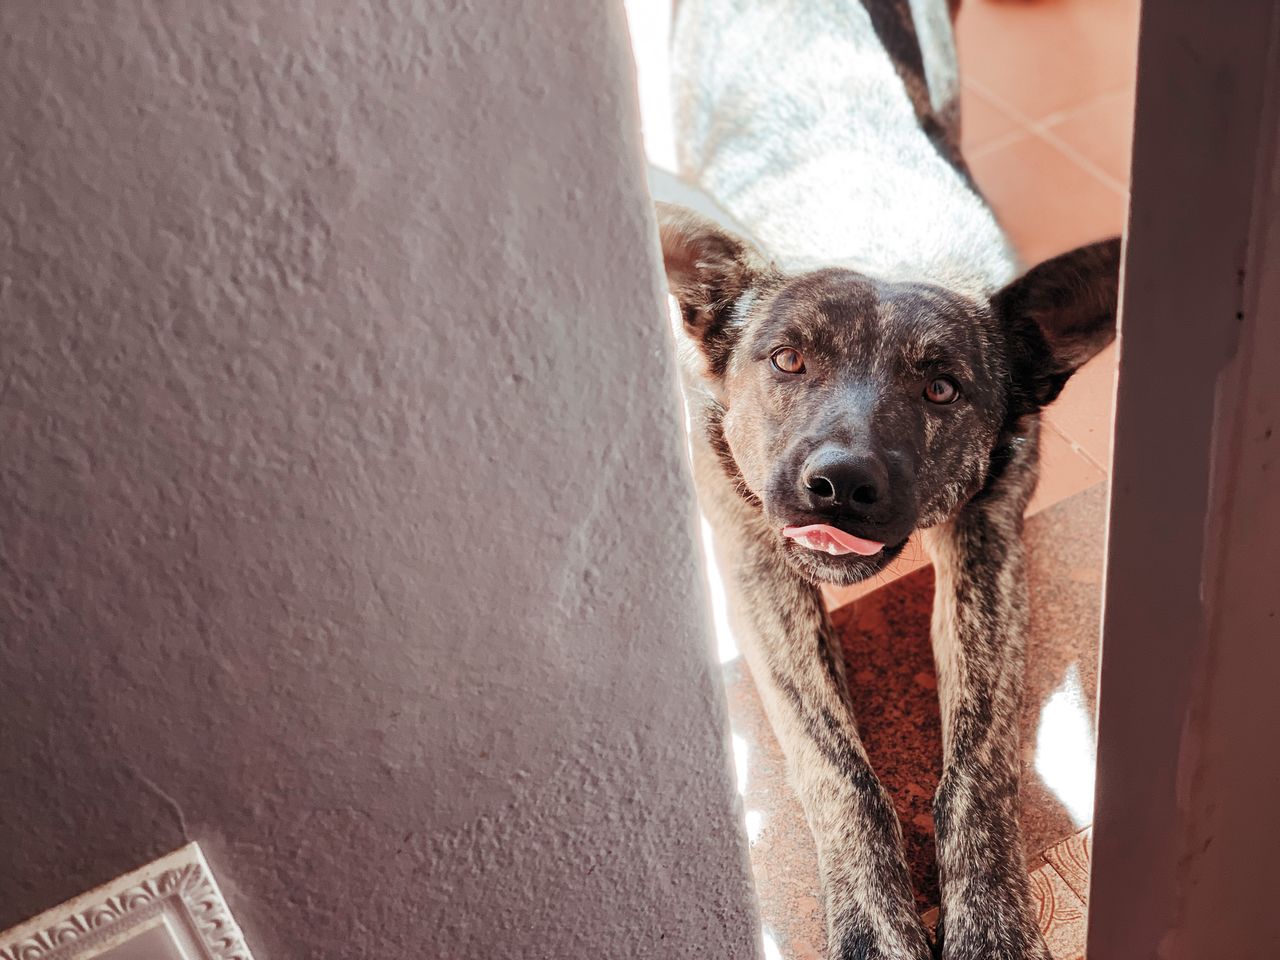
{"x": 812, "y": 140}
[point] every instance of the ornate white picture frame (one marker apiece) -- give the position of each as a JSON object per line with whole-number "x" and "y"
{"x": 171, "y": 909}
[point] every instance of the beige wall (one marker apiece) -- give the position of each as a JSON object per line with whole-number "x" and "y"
{"x": 344, "y": 517}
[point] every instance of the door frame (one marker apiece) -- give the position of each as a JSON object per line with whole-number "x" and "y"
{"x": 1179, "y": 866}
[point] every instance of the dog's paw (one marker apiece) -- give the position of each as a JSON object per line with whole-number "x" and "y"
{"x": 1006, "y": 944}
{"x": 862, "y": 944}
{"x": 1002, "y": 952}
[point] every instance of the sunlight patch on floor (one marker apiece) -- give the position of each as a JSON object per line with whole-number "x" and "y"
{"x": 1065, "y": 748}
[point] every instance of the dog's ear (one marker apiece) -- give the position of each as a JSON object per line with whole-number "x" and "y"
{"x": 708, "y": 270}
{"x": 1058, "y": 315}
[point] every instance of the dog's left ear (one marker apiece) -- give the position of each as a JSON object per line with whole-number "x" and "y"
{"x": 1058, "y": 315}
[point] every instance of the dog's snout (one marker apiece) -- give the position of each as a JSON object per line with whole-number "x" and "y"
{"x": 834, "y": 477}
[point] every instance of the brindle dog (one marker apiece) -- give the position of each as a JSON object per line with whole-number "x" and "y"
{"x": 868, "y": 367}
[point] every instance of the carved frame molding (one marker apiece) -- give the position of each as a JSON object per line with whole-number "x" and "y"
{"x": 178, "y": 890}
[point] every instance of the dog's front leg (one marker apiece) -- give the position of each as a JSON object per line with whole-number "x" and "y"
{"x": 795, "y": 664}
{"x": 782, "y": 630}
{"x": 979, "y": 626}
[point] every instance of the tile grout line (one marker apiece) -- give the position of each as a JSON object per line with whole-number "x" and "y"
{"x": 1042, "y": 128}
{"x": 1013, "y": 113}
{"x": 1058, "y": 116}
{"x": 1012, "y": 136}
{"x": 1058, "y": 873}
{"x": 1018, "y": 133}
{"x": 1044, "y": 854}
{"x": 1076, "y": 446}
{"x": 1082, "y": 895}
{"x": 1082, "y": 161}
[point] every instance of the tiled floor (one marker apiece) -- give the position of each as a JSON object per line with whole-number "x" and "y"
{"x": 1047, "y": 102}
{"x": 1048, "y": 109}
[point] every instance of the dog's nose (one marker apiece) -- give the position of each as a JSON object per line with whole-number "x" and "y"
{"x": 834, "y": 476}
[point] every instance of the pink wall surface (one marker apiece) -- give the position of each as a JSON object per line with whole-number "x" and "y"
{"x": 344, "y": 520}
{"x": 1185, "y": 847}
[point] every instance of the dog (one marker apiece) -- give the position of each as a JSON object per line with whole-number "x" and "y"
{"x": 866, "y": 364}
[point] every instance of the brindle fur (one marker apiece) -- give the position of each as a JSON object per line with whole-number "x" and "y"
{"x": 878, "y": 304}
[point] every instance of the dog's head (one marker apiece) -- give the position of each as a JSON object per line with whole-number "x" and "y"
{"x": 857, "y": 411}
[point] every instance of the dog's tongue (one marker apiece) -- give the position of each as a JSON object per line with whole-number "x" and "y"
{"x": 828, "y": 539}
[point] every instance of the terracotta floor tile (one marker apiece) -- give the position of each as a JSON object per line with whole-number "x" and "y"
{"x": 1102, "y": 133}
{"x": 1046, "y": 201}
{"x": 982, "y": 121}
{"x": 1085, "y": 410}
{"x": 1048, "y": 56}
{"x": 1064, "y": 471}
{"x": 1062, "y": 916}
{"x": 1071, "y": 859}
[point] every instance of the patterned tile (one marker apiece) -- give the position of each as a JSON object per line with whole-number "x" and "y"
{"x": 1071, "y": 859}
{"x": 1062, "y": 914}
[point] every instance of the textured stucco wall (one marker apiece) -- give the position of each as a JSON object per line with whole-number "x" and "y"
{"x": 344, "y": 525}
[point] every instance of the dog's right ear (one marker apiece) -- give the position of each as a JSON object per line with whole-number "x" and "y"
{"x": 1058, "y": 315}
{"x": 708, "y": 270}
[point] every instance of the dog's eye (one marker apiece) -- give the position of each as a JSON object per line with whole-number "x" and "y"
{"x": 941, "y": 390}
{"x": 787, "y": 360}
